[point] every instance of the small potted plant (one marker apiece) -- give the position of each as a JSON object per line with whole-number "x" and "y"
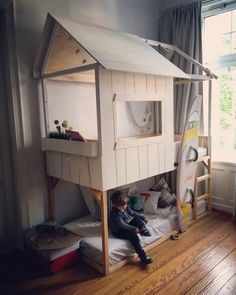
{"x": 60, "y": 132}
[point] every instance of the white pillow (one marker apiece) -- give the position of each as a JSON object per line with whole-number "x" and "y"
{"x": 151, "y": 203}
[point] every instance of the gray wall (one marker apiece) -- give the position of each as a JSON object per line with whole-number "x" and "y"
{"x": 138, "y": 17}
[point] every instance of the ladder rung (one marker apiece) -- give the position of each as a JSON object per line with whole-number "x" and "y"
{"x": 202, "y": 197}
{"x": 203, "y": 177}
{"x": 203, "y": 158}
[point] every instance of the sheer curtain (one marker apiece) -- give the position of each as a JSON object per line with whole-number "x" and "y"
{"x": 182, "y": 26}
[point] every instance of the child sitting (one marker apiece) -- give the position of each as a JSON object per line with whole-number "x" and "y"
{"x": 126, "y": 224}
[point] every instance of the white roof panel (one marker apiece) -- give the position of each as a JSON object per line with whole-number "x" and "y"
{"x": 116, "y": 50}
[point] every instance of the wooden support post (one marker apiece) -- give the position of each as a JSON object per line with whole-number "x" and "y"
{"x": 195, "y": 196}
{"x": 97, "y": 195}
{"x": 234, "y": 195}
{"x": 105, "y": 233}
{"x": 209, "y": 183}
{"x": 52, "y": 182}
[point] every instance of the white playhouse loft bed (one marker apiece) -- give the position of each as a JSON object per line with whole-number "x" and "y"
{"x": 115, "y": 69}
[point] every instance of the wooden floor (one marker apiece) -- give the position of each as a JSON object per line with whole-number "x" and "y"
{"x": 203, "y": 261}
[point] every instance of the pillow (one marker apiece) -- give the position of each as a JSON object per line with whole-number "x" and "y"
{"x": 136, "y": 202}
{"x": 166, "y": 199}
{"x": 150, "y": 204}
{"x": 160, "y": 185}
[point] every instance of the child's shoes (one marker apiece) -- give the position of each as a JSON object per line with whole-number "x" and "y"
{"x": 145, "y": 233}
{"x": 146, "y": 260}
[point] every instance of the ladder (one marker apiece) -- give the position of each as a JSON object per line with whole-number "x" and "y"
{"x": 205, "y": 162}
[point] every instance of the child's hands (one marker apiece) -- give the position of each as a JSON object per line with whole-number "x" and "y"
{"x": 137, "y": 231}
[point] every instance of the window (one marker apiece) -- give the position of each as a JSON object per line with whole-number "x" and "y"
{"x": 220, "y": 57}
{"x": 137, "y": 120}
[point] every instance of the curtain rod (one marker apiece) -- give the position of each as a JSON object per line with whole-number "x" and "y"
{"x": 211, "y": 5}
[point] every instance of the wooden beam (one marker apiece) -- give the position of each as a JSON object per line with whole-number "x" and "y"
{"x": 172, "y": 47}
{"x": 97, "y": 195}
{"x": 105, "y": 248}
{"x": 83, "y": 77}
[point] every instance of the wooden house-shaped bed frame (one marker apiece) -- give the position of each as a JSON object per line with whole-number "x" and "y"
{"x": 122, "y": 67}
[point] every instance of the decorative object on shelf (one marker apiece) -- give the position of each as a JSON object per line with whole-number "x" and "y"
{"x": 75, "y": 135}
{"x": 145, "y": 123}
{"x": 61, "y": 130}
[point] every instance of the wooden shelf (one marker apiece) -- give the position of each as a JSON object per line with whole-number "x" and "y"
{"x": 86, "y": 149}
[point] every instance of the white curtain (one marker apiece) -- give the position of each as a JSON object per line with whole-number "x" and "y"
{"x": 182, "y": 26}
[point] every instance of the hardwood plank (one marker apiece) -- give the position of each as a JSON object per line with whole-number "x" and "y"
{"x": 215, "y": 263}
{"x": 161, "y": 255}
{"x": 115, "y": 280}
{"x": 155, "y": 281}
{"x": 218, "y": 276}
{"x": 229, "y": 287}
{"x": 203, "y": 251}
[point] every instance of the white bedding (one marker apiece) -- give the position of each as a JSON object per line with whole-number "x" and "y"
{"x": 90, "y": 231}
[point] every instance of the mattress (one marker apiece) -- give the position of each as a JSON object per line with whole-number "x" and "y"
{"x": 91, "y": 244}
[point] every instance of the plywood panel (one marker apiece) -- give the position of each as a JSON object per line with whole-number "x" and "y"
{"x": 143, "y": 161}
{"x": 132, "y": 164}
{"x": 153, "y": 159}
{"x": 66, "y": 53}
{"x": 66, "y": 167}
{"x": 121, "y": 166}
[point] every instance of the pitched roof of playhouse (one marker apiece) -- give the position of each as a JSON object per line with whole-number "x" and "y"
{"x": 112, "y": 49}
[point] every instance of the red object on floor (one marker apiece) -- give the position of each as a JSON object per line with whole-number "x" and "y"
{"x": 55, "y": 265}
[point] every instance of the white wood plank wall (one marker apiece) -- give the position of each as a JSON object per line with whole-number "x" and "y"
{"x": 126, "y": 164}
{"x": 73, "y": 168}
{"x": 121, "y": 164}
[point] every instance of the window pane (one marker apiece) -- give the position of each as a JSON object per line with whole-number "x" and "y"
{"x": 217, "y": 35}
{"x": 224, "y": 110}
{"x": 234, "y": 20}
{"x": 233, "y": 50}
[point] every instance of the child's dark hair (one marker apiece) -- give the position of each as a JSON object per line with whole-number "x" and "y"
{"x": 118, "y": 198}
